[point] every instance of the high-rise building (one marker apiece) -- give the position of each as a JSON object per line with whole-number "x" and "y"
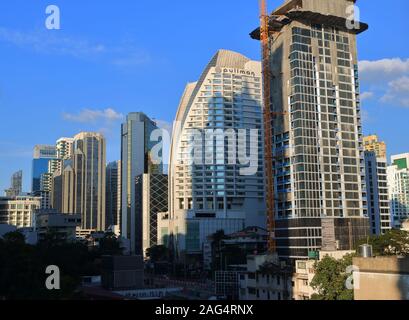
{"x": 64, "y": 148}
{"x": 136, "y": 147}
{"x": 151, "y": 199}
{"x": 377, "y": 193}
{"x": 41, "y": 157}
{"x": 62, "y": 195}
{"x": 372, "y": 143}
{"x": 211, "y": 186}
{"x": 64, "y": 151}
{"x": 88, "y": 180}
{"x": 113, "y": 194}
{"x": 57, "y": 192}
{"x": 318, "y": 158}
{"x": 398, "y": 184}
{"x": 57, "y": 170}
{"x": 16, "y": 185}
{"x": 18, "y": 211}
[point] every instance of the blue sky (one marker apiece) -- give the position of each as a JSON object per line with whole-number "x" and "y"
{"x": 114, "y": 57}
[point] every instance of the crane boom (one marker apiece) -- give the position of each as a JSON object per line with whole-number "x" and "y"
{"x": 267, "y": 119}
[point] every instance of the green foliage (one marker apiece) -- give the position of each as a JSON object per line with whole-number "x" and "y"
{"x": 330, "y": 278}
{"x": 110, "y": 245}
{"x": 22, "y": 266}
{"x": 392, "y": 243}
{"x": 218, "y": 236}
{"x": 158, "y": 253}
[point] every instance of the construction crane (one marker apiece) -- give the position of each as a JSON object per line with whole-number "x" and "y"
{"x": 267, "y": 119}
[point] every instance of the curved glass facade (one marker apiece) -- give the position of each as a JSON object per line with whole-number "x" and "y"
{"x": 216, "y": 167}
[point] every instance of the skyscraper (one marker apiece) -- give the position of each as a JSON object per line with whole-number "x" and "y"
{"x": 398, "y": 183}
{"x": 68, "y": 187}
{"x": 318, "y": 159}
{"x": 89, "y": 180}
{"x": 60, "y": 177}
{"x": 41, "y": 156}
{"x": 377, "y": 190}
{"x": 64, "y": 148}
{"x": 377, "y": 184}
{"x": 136, "y": 146}
{"x": 16, "y": 185}
{"x": 151, "y": 199}
{"x": 113, "y": 194}
{"x": 211, "y": 186}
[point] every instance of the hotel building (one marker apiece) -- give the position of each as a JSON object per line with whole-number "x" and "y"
{"x": 210, "y": 189}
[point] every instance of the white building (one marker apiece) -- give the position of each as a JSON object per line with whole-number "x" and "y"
{"x": 64, "y": 148}
{"x": 209, "y": 188}
{"x": 18, "y": 211}
{"x": 398, "y": 183}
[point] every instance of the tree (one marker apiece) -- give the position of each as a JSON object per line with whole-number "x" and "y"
{"x": 22, "y": 267}
{"x": 110, "y": 245}
{"x": 392, "y": 243}
{"x": 330, "y": 278}
{"x": 217, "y": 250}
{"x": 14, "y": 238}
{"x": 158, "y": 253}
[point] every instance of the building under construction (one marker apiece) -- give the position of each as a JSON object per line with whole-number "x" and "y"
{"x": 316, "y": 194}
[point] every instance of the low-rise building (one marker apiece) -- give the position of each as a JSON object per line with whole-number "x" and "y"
{"x": 122, "y": 272}
{"x": 63, "y": 224}
{"x": 233, "y": 248}
{"x": 18, "y": 211}
{"x": 268, "y": 278}
{"x": 304, "y": 273}
{"x": 381, "y": 278}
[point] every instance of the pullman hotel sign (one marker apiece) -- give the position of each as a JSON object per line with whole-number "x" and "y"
{"x": 236, "y": 71}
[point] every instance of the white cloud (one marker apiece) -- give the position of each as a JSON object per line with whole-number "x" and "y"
{"x": 367, "y": 95}
{"x": 45, "y": 42}
{"x": 92, "y": 116}
{"x": 398, "y": 92}
{"x": 400, "y": 85}
{"x": 135, "y": 59}
{"x": 49, "y": 42}
{"x": 387, "y": 79}
{"x": 379, "y": 69}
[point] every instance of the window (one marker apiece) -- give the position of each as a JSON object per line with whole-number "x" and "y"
{"x": 252, "y": 290}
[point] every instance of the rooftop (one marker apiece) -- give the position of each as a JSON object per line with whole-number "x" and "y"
{"x": 312, "y": 12}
